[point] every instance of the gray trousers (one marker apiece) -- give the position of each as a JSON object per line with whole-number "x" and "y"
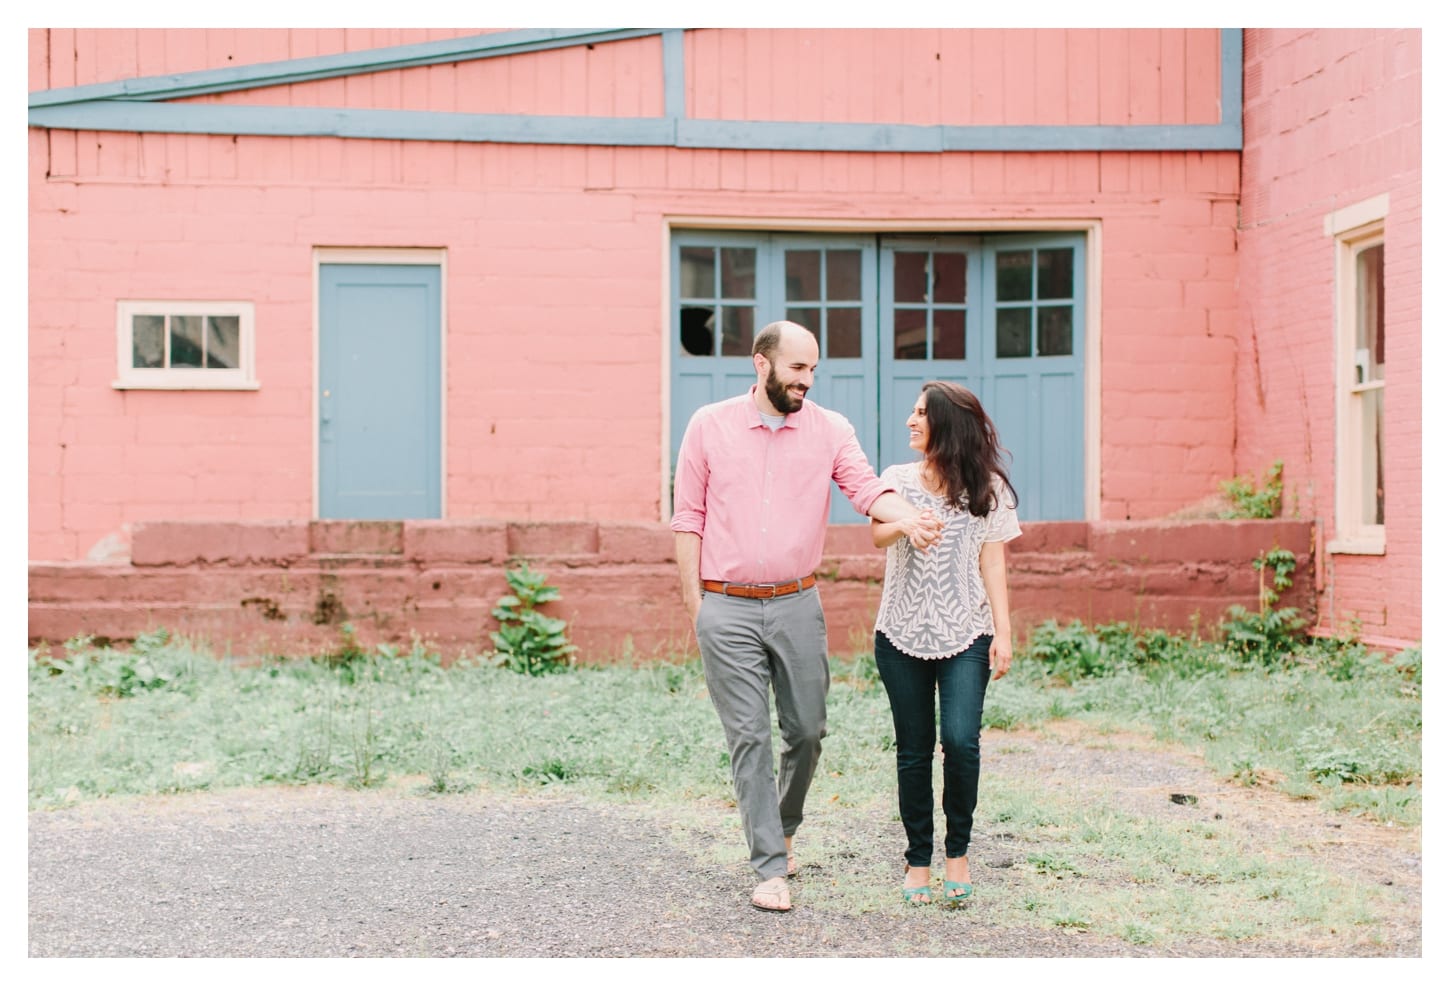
{"x": 749, "y": 646}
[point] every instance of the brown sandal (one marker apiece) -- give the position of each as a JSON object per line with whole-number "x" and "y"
{"x": 772, "y": 895}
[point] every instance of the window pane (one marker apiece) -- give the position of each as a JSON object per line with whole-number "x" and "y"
{"x": 949, "y": 341}
{"x": 1014, "y": 275}
{"x": 1054, "y": 273}
{"x": 911, "y": 278}
{"x": 910, "y": 334}
{"x": 223, "y": 342}
{"x": 697, "y": 331}
{"x": 737, "y": 272}
{"x": 1054, "y": 330}
{"x": 802, "y": 275}
{"x": 148, "y": 340}
{"x": 949, "y": 284}
{"x": 809, "y": 317}
{"x": 738, "y": 330}
{"x": 843, "y": 332}
{"x": 1369, "y": 337}
{"x": 1014, "y": 332}
{"x": 843, "y": 275}
{"x": 697, "y": 272}
{"x": 186, "y": 340}
{"x": 1372, "y": 461}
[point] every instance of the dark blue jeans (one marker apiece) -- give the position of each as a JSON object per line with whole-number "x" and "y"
{"x": 912, "y": 685}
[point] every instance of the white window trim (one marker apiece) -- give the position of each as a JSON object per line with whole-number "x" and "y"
{"x": 130, "y": 377}
{"x": 1354, "y": 228}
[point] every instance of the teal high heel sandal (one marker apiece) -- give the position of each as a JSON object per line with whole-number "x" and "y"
{"x": 917, "y": 896}
{"x": 955, "y": 893}
{"x": 963, "y": 891}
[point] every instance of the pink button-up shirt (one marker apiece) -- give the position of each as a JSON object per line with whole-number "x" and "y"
{"x": 759, "y": 498}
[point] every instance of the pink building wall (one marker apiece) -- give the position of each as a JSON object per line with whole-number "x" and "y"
{"x": 562, "y": 250}
{"x": 1332, "y": 118}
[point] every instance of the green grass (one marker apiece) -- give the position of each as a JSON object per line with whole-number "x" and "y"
{"x": 1339, "y": 727}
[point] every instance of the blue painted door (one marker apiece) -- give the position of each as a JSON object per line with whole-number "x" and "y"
{"x": 379, "y": 406}
{"x": 1002, "y": 315}
{"x": 727, "y": 286}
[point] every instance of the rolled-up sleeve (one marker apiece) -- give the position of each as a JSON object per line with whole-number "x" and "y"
{"x": 691, "y": 475}
{"x": 853, "y": 473}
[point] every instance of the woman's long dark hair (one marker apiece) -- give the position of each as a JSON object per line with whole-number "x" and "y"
{"x": 962, "y": 447}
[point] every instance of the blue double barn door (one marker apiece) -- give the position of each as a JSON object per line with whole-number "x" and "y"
{"x": 1000, "y": 314}
{"x": 379, "y": 398}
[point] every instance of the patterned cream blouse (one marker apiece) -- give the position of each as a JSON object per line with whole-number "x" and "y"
{"x": 934, "y": 603}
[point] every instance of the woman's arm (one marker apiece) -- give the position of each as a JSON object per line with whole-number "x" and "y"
{"x": 923, "y": 529}
{"x": 994, "y": 577}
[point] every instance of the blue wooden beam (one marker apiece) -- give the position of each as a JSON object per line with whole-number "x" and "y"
{"x": 136, "y": 106}
{"x": 493, "y": 45}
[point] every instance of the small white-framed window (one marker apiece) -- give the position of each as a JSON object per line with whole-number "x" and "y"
{"x": 1359, "y": 516}
{"x": 185, "y": 345}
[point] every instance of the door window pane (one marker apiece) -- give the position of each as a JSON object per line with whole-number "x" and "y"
{"x": 738, "y": 330}
{"x": 843, "y": 275}
{"x": 697, "y": 331}
{"x": 1054, "y": 330}
{"x": 148, "y": 340}
{"x": 949, "y": 281}
{"x": 737, "y": 272}
{"x": 844, "y": 332}
{"x": 697, "y": 272}
{"x": 1014, "y": 332}
{"x": 802, "y": 275}
{"x": 1054, "y": 273}
{"x": 910, "y": 280}
{"x": 949, "y": 338}
{"x": 910, "y": 336}
{"x": 1014, "y": 275}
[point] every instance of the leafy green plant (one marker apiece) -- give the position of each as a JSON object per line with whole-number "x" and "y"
{"x": 526, "y": 640}
{"x": 1252, "y": 501}
{"x": 1271, "y": 634}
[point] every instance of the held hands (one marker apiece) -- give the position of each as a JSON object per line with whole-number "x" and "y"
{"x": 924, "y": 530}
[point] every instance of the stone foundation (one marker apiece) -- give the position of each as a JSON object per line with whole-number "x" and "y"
{"x": 286, "y": 588}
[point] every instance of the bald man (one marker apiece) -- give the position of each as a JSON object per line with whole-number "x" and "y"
{"x": 752, "y": 496}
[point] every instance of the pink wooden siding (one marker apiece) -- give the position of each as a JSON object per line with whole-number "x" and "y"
{"x": 1332, "y": 118}
{"x": 956, "y": 77}
{"x": 62, "y": 57}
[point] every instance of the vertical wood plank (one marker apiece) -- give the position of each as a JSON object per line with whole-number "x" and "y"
{"x": 1112, "y": 80}
{"x": 1082, "y": 77}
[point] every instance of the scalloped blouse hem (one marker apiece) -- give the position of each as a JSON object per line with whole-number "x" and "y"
{"x": 929, "y": 657}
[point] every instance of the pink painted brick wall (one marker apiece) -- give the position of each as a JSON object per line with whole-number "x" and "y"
{"x": 1332, "y": 118}
{"x": 550, "y": 250}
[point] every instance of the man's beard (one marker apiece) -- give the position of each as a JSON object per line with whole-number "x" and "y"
{"x": 780, "y": 398}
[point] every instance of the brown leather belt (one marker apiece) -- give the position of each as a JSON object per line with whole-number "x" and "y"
{"x": 768, "y": 590}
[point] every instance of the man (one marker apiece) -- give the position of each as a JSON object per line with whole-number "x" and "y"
{"x": 752, "y": 494}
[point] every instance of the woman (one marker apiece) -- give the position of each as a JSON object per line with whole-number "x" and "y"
{"x": 943, "y": 626}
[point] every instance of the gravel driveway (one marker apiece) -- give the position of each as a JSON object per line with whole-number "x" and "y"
{"x": 327, "y": 872}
